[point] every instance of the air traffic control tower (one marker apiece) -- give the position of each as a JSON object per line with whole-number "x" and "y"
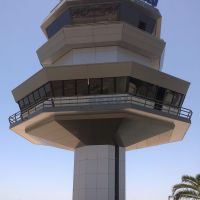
{"x": 101, "y": 91}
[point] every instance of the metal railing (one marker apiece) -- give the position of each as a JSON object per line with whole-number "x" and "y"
{"x": 80, "y": 101}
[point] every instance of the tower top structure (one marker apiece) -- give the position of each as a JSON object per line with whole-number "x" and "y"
{"x": 101, "y": 65}
{"x": 91, "y": 19}
{"x": 101, "y": 91}
{"x": 92, "y": 5}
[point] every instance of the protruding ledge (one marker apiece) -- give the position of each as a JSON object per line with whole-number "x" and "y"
{"x": 97, "y": 35}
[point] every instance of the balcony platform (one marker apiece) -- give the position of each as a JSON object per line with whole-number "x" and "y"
{"x": 129, "y": 121}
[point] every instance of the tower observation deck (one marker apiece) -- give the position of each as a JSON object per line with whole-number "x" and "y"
{"x": 101, "y": 91}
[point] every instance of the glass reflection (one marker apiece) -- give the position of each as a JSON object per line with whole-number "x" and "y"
{"x": 97, "y": 86}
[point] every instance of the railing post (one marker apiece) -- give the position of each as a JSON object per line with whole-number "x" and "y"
{"x": 52, "y": 102}
{"x": 179, "y": 112}
{"x": 21, "y": 116}
{"x": 191, "y": 113}
{"x": 145, "y": 103}
{"x": 188, "y": 115}
{"x": 168, "y": 109}
{"x": 15, "y": 118}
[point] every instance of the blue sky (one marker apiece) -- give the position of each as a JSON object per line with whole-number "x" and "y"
{"x": 43, "y": 173}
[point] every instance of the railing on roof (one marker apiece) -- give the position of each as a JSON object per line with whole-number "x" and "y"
{"x": 118, "y": 99}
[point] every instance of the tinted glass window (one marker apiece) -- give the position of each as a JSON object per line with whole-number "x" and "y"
{"x": 134, "y": 85}
{"x": 48, "y": 91}
{"x": 95, "y": 86}
{"x": 176, "y": 99}
{"x": 36, "y": 95}
{"x": 142, "y": 90}
{"x": 21, "y": 104}
{"x": 26, "y": 101}
{"x": 151, "y": 92}
{"x": 57, "y": 88}
{"x": 160, "y": 94}
{"x": 42, "y": 92}
{"x": 132, "y": 88}
{"x": 142, "y": 25}
{"x": 121, "y": 83}
{"x": 108, "y": 86}
{"x": 55, "y": 26}
{"x": 82, "y": 87}
{"x": 31, "y": 99}
{"x": 168, "y": 97}
{"x": 69, "y": 88}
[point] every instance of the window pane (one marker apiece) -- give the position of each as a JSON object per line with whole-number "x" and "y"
{"x": 82, "y": 87}
{"x": 36, "y": 95}
{"x": 151, "y": 92}
{"x": 142, "y": 25}
{"x": 21, "y": 103}
{"x": 142, "y": 90}
{"x": 48, "y": 91}
{"x": 31, "y": 99}
{"x": 177, "y": 99}
{"x": 132, "y": 88}
{"x": 42, "y": 92}
{"x": 69, "y": 88}
{"x": 168, "y": 97}
{"x": 57, "y": 88}
{"x": 108, "y": 86}
{"x": 134, "y": 84}
{"x": 95, "y": 86}
{"x": 121, "y": 85}
{"x": 160, "y": 94}
{"x": 26, "y": 102}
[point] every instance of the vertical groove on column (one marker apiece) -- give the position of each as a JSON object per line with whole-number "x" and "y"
{"x": 116, "y": 172}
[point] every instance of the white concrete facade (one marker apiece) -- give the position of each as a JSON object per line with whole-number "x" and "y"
{"x": 108, "y": 54}
{"x": 94, "y": 173}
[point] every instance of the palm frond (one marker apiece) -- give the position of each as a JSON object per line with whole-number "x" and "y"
{"x": 183, "y": 186}
{"x": 198, "y": 178}
{"x": 187, "y": 195}
{"x": 189, "y": 179}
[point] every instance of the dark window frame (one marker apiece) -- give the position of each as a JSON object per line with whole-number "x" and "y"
{"x": 78, "y": 93}
{"x": 142, "y": 25}
{"x": 57, "y": 87}
{"x": 36, "y": 99}
{"x": 65, "y": 83}
{"x": 100, "y": 83}
{"x": 90, "y": 86}
{"x": 110, "y": 91}
{"x": 46, "y": 91}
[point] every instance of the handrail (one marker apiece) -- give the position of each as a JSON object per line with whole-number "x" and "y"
{"x": 96, "y": 100}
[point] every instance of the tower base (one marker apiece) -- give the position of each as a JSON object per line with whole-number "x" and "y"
{"x": 99, "y": 173}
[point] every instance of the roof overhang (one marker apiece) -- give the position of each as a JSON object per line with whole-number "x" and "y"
{"x": 98, "y": 35}
{"x": 66, "y": 4}
{"x": 131, "y": 69}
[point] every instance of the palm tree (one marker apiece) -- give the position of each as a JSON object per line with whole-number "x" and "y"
{"x": 188, "y": 189}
